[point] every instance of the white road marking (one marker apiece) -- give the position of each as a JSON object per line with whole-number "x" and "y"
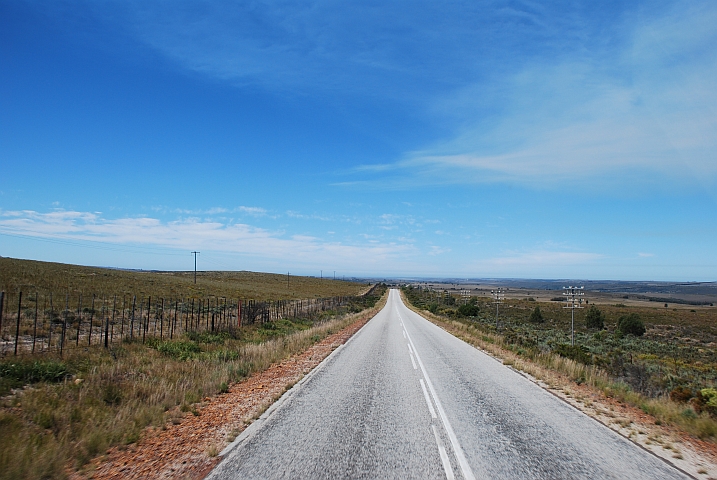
{"x": 444, "y": 456}
{"x": 404, "y": 334}
{"x": 410, "y": 352}
{"x": 460, "y": 456}
{"x": 428, "y": 400}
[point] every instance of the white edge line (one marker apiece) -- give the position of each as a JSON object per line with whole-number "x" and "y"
{"x": 252, "y": 429}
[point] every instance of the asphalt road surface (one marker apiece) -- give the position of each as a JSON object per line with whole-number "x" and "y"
{"x": 404, "y": 399}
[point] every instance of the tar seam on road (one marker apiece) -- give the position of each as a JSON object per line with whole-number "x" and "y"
{"x": 457, "y": 450}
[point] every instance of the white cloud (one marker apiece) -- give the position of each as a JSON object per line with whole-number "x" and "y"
{"x": 436, "y": 250}
{"x": 542, "y": 258}
{"x": 192, "y": 234}
{"x": 648, "y": 110}
{"x": 254, "y": 211}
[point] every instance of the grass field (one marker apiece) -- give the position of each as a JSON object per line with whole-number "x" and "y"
{"x": 670, "y": 371}
{"x": 75, "y": 407}
{"x": 58, "y": 278}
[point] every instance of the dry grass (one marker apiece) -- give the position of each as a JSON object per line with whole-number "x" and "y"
{"x": 115, "y": 394}
{"x": 45, "y": 277}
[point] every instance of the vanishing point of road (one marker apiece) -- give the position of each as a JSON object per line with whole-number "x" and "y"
{"x": 405, "y": 399}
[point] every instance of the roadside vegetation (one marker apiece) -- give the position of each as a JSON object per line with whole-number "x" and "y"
{"x": 56, "y": 414}
{"x": 661, "y": 360}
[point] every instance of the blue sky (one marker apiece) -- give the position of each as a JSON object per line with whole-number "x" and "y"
{"x": 460, "y": 139}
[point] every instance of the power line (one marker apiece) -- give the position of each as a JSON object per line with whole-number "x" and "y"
{"x": 573, "y": 299}
{"x": 498, "y": 296}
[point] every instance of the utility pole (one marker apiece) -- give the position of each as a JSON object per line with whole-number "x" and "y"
{"x": 195, "y": 266}
{"x": 573, "y": 299}
{"x": 334, "y": 274}
{"x": 322, "y": 274}
{"x": 287, "y": 280}
{"x": 498, "y": 295}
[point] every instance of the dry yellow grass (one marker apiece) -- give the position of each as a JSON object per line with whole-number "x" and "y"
{"x": 58, "y": 278}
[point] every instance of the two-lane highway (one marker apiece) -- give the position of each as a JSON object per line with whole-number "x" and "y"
{"x": 405, "y": 399}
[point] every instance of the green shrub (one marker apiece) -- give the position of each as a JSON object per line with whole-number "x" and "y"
{"x": 536, "y": 316}
{"x": 208, "y": 337}
{"x": 469, "y": 310}
{"x": 709, "y": 399}
{"x": 16, "y": 374}
{"x": 631, "y": 325}
{"x": 594, "y": 318}
{"x": 181, "y": 350}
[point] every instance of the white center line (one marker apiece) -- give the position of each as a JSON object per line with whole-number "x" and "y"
{"x": 428, "y": 400}
{"x": 444, "y": 456}
{"x": 460, "y": 456}
{"x": 414, "y": 363}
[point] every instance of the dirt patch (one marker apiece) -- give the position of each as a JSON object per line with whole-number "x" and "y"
{"x": 187, "y": 447}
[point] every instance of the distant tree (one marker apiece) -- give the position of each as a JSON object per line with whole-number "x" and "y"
{"x": 536, "y": 316}
{"x": 469, "y": 310}
{"x": 631, "y": 325}
{"x": 594, "y": 318}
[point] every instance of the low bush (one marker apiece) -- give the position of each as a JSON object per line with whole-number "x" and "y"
{"x": 681, "y": 394}
{"x": 469, "y": 310}
{"x": 18, "y": 373}
{"x": 178, "y": 349}
{"x": 594, "y": 318}
{"x": 536, "y": 316}
{"x": 631, "y": 324}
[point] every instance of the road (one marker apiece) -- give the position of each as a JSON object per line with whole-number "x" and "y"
{"x": 405, "y": 399}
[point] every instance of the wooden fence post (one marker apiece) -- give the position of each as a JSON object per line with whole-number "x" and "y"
{"x": 2, "y": 304}
{"x": 17, "y": 329}
{"x": 79, "y": 320}
{"x": 34, "y": 327}
{"x": 92, "y": 317}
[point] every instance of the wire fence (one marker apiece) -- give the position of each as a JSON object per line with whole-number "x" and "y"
{"x": 32, "y": 323}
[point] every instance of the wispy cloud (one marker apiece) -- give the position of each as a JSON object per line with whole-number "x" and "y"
{"x": 436, "y": 250}
{"x": 641, "y": 111}
{"x": 191, "y": 234}
{"x": 543, "y": 258}
{"x": 254, "y": 211}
